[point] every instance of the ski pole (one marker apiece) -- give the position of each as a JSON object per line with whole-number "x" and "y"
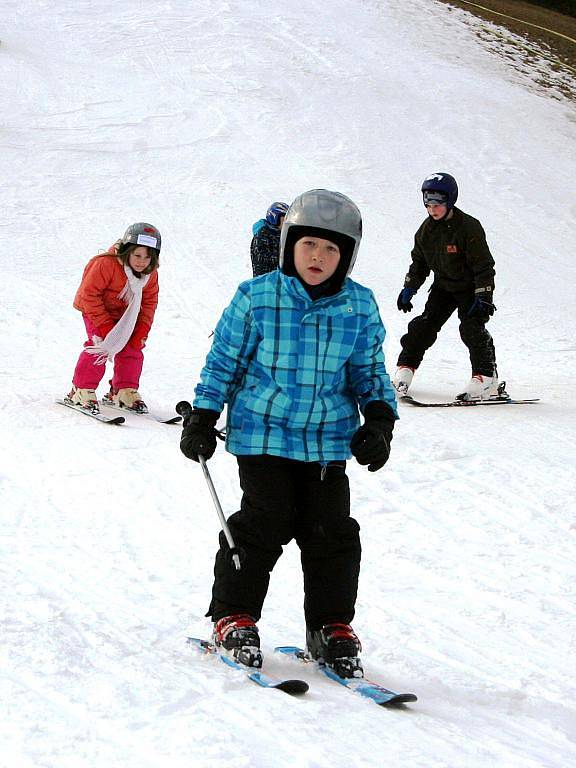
{"x": 185, "y": 409}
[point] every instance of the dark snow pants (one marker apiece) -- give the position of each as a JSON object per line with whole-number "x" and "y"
{"x": 284, "y": 500}
{"x": 423, "y": 331}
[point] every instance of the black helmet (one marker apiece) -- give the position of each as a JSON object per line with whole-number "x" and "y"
{"x": 141, "y": 234}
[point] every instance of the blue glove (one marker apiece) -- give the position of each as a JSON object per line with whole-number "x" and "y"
{"x": 404, "y": 304}
{"x": 482, "y": 307}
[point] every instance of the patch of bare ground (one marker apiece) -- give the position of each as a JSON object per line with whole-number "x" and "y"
{"x": 534, "y": 39}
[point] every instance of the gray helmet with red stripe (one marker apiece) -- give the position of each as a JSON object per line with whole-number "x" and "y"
{"x": 141, "y": 234}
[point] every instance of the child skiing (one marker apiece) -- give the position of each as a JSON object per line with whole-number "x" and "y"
{"x": 295, "y": 355}
{"x": 117, "y": 296}
{"x": 452, "y": 245}
{"x": 265, "y": 245}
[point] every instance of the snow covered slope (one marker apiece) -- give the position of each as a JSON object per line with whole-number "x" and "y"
{"x": 195, "y": 116}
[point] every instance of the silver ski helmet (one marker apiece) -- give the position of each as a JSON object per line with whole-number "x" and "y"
{"x": 141, "y": 234}
{"x": 326, "y": 214}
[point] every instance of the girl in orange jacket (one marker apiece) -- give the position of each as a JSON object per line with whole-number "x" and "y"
{"x": 118, "y": 296}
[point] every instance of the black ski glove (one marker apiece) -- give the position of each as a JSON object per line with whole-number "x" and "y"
{"x": 404, "y": 303}
{"x": 482, "y": 307}
{"x": 370, "y": 443}
{"x": 199, "y": 434}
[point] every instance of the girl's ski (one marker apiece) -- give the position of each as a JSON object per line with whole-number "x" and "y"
{"x": 161, "y": 418}
{"x": 98, "y": 416}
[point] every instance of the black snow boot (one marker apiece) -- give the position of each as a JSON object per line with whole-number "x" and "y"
{"x": 337, "y": 646}
{"x": 238, "y": 636}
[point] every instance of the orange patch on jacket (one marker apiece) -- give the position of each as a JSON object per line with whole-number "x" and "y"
{"x": 451, "y": 249}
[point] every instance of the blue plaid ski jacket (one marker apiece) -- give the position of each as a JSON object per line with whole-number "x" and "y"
{"x": 294, "y": 371}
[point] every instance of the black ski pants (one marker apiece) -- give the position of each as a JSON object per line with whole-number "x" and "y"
{"x": 284, "y": 500}
{"x": 423, "y": 331}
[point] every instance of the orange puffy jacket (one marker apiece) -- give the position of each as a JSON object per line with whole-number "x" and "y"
{"x": 102, "y": 281}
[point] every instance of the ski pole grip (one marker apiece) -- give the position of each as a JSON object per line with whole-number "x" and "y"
{"x": 184, "y": 409}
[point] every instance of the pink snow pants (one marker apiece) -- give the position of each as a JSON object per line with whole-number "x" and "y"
{"x": 127, "y": 366}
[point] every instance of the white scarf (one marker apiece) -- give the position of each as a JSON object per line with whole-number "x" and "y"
{"x": 119, "y": 336}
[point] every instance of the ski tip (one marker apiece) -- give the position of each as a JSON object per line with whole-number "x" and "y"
{"x": 292, "y": 687}
{"x": 172, "y": 420}
{"x": 399, "y": 700}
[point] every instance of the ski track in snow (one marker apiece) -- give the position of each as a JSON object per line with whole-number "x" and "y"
{"x": 195, "y": 119}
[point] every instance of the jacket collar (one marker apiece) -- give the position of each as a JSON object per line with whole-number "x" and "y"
{"x": 295, "y": 288}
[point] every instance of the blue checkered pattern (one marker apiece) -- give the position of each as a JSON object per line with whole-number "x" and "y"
{"x": 294, "y": 371}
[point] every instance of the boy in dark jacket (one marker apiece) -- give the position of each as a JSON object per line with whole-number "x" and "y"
{"x": 265, "y": 245}
{"x": 452, "y": 245}
{"x": 295, "y": 356}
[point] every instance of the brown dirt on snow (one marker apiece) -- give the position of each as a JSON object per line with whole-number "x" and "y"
{"x": 560, "y": 53}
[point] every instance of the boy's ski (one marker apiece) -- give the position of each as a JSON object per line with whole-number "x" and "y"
{"x": 467, "y": 403}
{"x": 161, "y": 418}
{"x": 98, "y": 416}
{"x": 501, "y": 398}
{"x": 293, "y": 687}
{"x": 366, "y": 688}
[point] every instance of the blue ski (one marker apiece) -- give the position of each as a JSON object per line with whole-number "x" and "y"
{"x": 366, "y": 688}
{"x": 293, "y": 687}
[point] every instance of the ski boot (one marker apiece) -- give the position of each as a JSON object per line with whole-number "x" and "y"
{"x": 128, "y": 398}
{"x": 337, "y": 646}
{"x": 85, "y": 398}
{"x": 480, "y": 387}
{"x": 402, "y": 379}
{"x": 237, "y": 636}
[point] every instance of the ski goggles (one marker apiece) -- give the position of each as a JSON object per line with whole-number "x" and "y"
{"x": 431, "y": 197}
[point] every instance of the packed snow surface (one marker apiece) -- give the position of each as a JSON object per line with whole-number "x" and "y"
{"x": 195, "y": 116}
